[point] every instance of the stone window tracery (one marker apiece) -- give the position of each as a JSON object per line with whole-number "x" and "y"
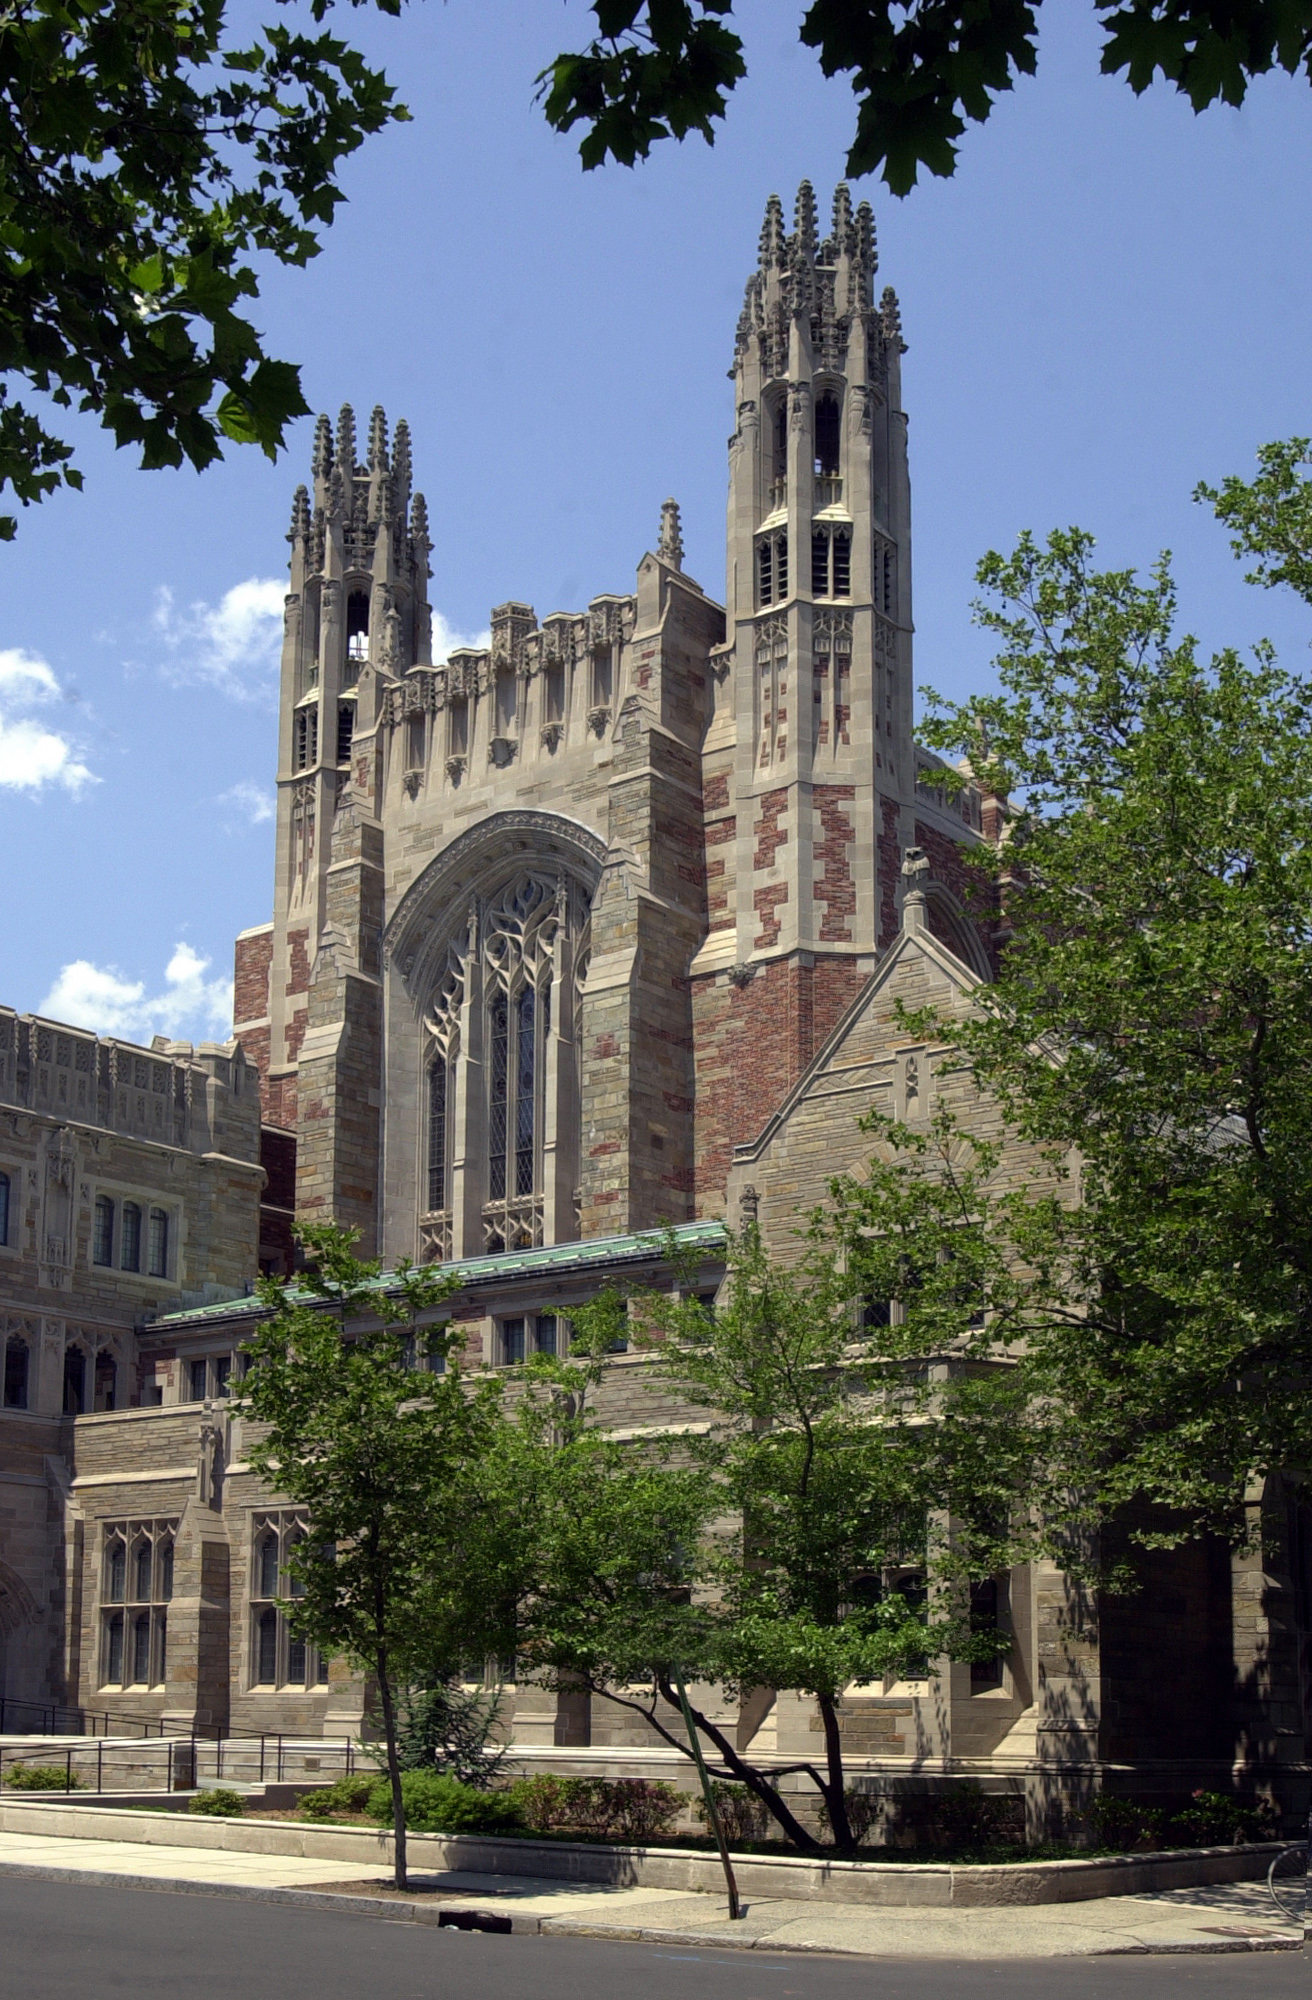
{"x": 495, "y": 1135}
{"x": 280, "y": 1657}
{"x": 135, "y": 1589}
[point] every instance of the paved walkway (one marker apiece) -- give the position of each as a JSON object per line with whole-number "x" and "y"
{"x": 1229, "y": 1917}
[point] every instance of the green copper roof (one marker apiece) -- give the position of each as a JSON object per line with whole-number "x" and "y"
{"x": 598, "y": 1253}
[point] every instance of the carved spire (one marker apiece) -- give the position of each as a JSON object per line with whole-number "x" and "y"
{"x": 346, "y": 442}
{"x": 805, "y": 232}
{"x": 401, "y": 470}
{"x": 844, "y": 232}
{"x": 670, "y": 547}
{"x": 419, "y": 524}
{"x": 300, "y": 515}
{"x": 322, "y": 460}
{"x": 865, "y": 238}
{"x": 378, "y": 440}
{"x": 890, "y": 320}
{"x": 772, "y": 234}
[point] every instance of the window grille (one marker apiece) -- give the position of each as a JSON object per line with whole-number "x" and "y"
{"x": 820, "y": 563}
{"x": 437, "y": 1133}
{"x": 842, "y": 565}
{"x": 345, "y": 730}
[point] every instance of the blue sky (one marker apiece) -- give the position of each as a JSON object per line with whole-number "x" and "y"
{"x": 1112, "y": 300}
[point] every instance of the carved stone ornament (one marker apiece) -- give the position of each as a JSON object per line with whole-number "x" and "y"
{"x": 455, "y": 768}
{"x": 741, "y": 975}
{"x": 749, "y": 1201}
{"x": 552, "y": 733}
{"x": 501, "y": 751}
{"x": 411, "y": 782}
{"x": 597, "y": 719}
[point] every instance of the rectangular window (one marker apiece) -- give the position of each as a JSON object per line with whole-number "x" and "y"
{"x": 102, "y": 1240}
{"x": 437, "y": 1081}
{"x": 157, "y": 1244}
{"x": 345, "y": 730}
{"x": 984, "y": 1608}
{"x": 130, "y": 1238}
{"x": 16, "y": 1364}
{"x": 512, "y": 1341}
{"x": 4, "y": 1208}
{"x": 547, "y": 1334}
{"x": 781, "y": 567}
{"x": 842, "y": 565}
{"x": 415, "y": 732}
{"x": 499, "y": 1079}
{"x": 75, "y": 1382}
{"x": 199, "y": 1379}
{"x": 222, "y": 1371}
{"x": 525, "y": 1097}
{"x": 764, "y": 573}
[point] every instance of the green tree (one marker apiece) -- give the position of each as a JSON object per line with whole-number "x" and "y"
{"x": 762, "y": 1547}
{"x": 1153, "y": 1018}
{"x": 346, "y": 1420}
{"x": 147, "y": 153}
{"x": 663, "y": 68}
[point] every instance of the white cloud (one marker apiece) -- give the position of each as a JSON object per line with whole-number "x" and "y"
{"x": 233, "y": 645}
{"x": 190, "y": 1007}
{"x": 446, "y": 640}
{"x": 33, "y": 755}
{"x": 252, "y": 802}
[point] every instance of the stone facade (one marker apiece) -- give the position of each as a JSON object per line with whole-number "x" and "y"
{"x": 597, "y": 929}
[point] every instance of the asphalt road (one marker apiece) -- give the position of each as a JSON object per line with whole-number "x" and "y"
{"x": 63, "y": 1941}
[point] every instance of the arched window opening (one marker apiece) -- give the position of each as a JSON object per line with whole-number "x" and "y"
{"x": 779, "y": 435}
{"x": 130, "y": 1237}
{"x": 357, "y": 631}
{"x": 137, "y": 1576}
{"x": 4, "y": 1208}
{"x": 17, "y": 1362}
{"x": 141, "y": 1565}
{"x": 827, "y": 435}
{"x": 161, "y": 1647}
{"x": 116, "y": 1573}
{"x": 106, "y": 1382}
{"x": 268, "y": 1566}
{"x": 166, "y": 1572}
{"x": 345, "y": 730}
{"x": 280, "y": 1657}
{"x": 157, "y": 1244}
{"x": 75, "y": 1381}
{"x": 102, "y": 1239}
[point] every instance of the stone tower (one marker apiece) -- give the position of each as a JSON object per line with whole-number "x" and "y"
{"x": 809, "y": 769}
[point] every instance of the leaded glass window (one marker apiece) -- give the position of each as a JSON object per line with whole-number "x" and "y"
{"x": 130, "y": 1237}
{"x": 102, "y": 1240}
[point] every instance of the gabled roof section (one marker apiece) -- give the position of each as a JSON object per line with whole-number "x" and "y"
{"x": 914, "y": 940}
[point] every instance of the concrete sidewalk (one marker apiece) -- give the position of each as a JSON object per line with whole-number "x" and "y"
{"x": 1227, "y": 1917}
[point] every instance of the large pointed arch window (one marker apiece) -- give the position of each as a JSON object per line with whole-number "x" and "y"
{"x": 499, "y": 1139}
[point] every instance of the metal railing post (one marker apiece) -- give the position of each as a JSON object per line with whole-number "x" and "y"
{"x": 100, "y": 1764}
{"x": 68, "y": 1769}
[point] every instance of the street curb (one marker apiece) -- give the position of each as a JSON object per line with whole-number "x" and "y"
{"x": 441, "y": 1916}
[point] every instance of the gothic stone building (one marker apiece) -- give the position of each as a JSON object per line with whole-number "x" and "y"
{"x": 593, "y": 931}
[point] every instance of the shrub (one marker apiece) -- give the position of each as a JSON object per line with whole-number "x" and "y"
{"x": 966, "y": 1818}
{"x": 602, "y": 1808}
{"x": 452, "y": 1730}
{"x": 435, "y": 1804}
{"x": 221, "y": 1803}
{"x": 1212, "y": 1820}
{"x": 1126, "y": 1823}
{"x": 42, "y": 1778}
{"x": 742, "y": 1815}
{"x": 347, "y": 1795}
{"x": 862, "y": 1812}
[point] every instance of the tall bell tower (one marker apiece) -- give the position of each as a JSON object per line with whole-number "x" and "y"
{"x": 809, "y": 768}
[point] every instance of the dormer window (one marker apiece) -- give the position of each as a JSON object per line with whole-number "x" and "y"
{"x": 357, "y": 629}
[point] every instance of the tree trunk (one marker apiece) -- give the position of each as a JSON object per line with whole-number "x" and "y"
{"x": 753, "y": 1779}
{"x": 835, "y": 1791}
{"x": 393, "y": 1770}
